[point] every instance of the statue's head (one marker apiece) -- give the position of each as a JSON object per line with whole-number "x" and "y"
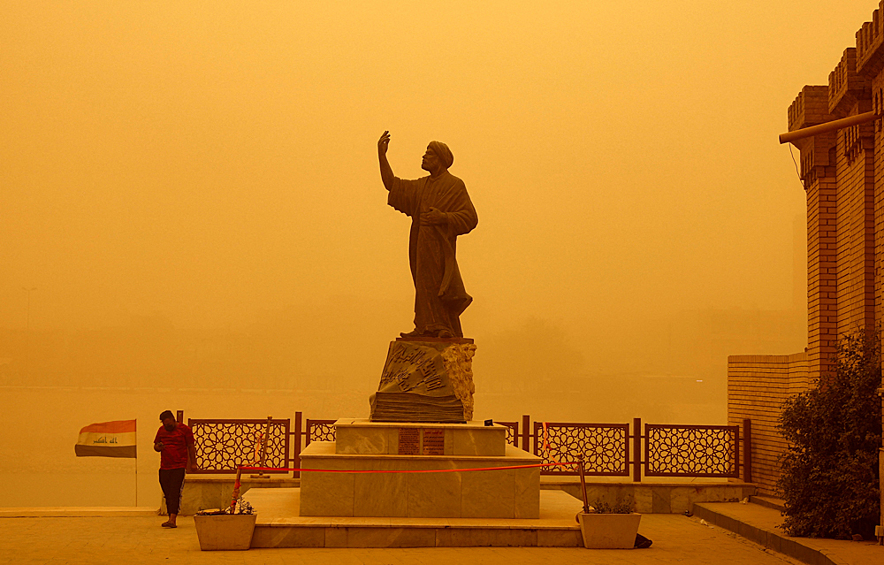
{"x": 438, "y": 157}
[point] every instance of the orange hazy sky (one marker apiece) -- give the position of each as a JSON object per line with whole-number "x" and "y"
{"x": 207, "y": 161}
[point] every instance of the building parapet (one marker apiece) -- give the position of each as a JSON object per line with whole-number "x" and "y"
{"x": 809, "y": 108}
{"x": 870, "y": 44}
{"x": 846, "y": 86}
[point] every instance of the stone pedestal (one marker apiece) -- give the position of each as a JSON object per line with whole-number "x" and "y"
{"x": 426, "y": 380}
{"x": 472, "y": 439}
{"x": 414, "y": 447}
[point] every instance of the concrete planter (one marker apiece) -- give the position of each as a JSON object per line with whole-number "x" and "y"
{"x": 225, "y": 531}
{"x": 609, "y": 531}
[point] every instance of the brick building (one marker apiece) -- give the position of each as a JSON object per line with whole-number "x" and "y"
{"x": 843, "y": 174}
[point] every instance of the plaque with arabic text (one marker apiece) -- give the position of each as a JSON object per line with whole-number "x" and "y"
{"x": 434, "y": 441}
{"x": 409, "y": 441}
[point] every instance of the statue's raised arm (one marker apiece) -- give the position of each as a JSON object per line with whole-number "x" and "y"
{"x": 386, "y": 170}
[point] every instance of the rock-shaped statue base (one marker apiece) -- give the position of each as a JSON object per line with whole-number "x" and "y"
{"x": 426, "y": 380}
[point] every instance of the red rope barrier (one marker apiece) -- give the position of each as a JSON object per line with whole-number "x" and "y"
{"x": 403, "y": 471}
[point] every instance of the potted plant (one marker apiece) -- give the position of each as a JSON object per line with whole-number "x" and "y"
{"x": 227, "y": 529}
{"x": 606, "y": 526}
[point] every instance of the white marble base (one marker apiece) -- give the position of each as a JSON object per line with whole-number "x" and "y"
{"x": 279, "y": 525}
{"x": 511, "y": 493}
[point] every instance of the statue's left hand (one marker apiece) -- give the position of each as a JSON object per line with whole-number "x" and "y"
{"x": 434, "y": 217}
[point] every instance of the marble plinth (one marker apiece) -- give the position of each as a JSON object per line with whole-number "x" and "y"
{"x": 280, "y": 525}
{"x": 511, "y": 493}
{"x": 364, "y": 437}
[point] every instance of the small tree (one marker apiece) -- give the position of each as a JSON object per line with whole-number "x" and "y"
{"x": 830, "y": 470}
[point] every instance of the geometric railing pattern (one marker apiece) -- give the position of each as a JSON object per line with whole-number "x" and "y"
{"x": 606, "y": 449}
{"x": 222, "y": 445}
{"x": 695, "y": 451}
{"x": 512, "y": 432}
{"x": 603, "y": 447}
{"x": 320, "y": 430}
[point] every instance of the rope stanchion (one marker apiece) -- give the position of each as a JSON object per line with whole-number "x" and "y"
{"x": 368, "y": 471}
{"x": 236, "y": 483}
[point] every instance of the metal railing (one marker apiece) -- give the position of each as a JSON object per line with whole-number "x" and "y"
{"x": 223, "y": 445}
{"x": 657, "y": 450}
{"x": 692, "y": 451}
{"x": 604, "y": 448}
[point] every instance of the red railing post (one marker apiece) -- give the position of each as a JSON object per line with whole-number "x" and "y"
{"x": 636, "y": 450}
{"x": 526, "y": 433}
{"x": 296, "y": 447}
{"x": 747, "y": 450}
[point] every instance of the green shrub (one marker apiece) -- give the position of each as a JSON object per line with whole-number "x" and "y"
{"x": 830, "y": 471}
{"x": 624, "y": 506}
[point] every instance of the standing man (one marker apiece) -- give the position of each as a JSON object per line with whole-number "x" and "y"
{"x": 440, "y": 210}
{"x": 174, "y": 442}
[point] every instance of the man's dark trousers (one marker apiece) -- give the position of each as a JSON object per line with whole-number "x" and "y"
{"x": 172, "y": 482}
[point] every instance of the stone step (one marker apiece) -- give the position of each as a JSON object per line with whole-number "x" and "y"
{"x": 769, "y": 502}
{"x": 280, "y": 525}
{"x": 760, "y": 524}
{"x": 79, "y": 512}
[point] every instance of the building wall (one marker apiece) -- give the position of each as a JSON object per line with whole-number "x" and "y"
{"x": 843, "y": 176}
{"x": 756, "y": 389}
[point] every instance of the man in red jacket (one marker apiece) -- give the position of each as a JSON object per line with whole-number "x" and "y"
{"x": 174, "y": 442}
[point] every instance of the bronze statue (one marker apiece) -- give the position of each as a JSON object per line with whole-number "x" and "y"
{"x": 440, "y": 210}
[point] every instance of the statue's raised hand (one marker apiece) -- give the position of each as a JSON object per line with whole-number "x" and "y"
{"x": 383, "y": 143}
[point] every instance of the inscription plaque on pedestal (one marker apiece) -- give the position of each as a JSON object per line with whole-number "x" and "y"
{"x": 434, "y": 441}
{"x": 409, "y": 441}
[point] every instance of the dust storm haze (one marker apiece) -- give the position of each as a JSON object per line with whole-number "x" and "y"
{"x": 192, "y": 216}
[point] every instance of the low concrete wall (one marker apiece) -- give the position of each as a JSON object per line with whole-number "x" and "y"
{"x": 650, "y": 498}
{"x": 656, "y": 498}
{"x": 202, "y": 492}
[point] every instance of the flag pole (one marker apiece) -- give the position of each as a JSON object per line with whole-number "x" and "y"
{"x": 136, "y": 463}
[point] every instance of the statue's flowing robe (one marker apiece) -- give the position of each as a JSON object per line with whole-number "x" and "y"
{"x": 440, "y": 296}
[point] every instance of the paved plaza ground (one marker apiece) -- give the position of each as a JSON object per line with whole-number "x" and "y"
{"x": 141, "y": 540}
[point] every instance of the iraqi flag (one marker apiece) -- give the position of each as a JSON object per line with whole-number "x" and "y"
{"x": 107, "y": 439}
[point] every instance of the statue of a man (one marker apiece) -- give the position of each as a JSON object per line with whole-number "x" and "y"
{"x": 440, "y": 210}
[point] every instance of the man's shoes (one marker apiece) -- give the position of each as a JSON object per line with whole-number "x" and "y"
{"x": 168, "y": 525}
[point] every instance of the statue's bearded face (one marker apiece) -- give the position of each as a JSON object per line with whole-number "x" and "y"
{"x": 430, "y": 160}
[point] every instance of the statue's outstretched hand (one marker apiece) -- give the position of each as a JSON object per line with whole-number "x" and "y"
{"x": 383, "y": 143}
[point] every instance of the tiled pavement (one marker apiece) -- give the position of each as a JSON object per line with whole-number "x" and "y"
{"x": 133, "y": 536}
{"x": 141, "y": 540}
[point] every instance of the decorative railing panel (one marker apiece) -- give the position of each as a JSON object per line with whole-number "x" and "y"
{"x": 223, "y": 445}
{"x": 692, "y": 451}
{"x": 512, "y": 432}
{"x": 320, "y": 430}
{"x": 604, "y": 447}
